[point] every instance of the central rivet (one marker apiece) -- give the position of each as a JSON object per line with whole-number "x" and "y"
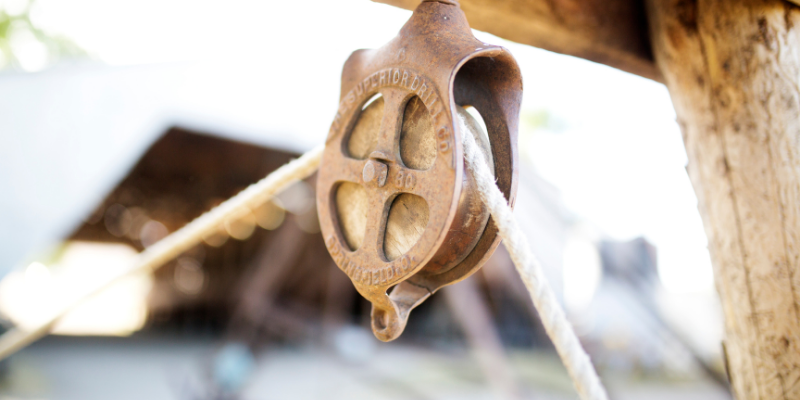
{"x": 375, "y": 171}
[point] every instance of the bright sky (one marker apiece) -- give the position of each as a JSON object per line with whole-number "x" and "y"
{"x": 617, "y": 155}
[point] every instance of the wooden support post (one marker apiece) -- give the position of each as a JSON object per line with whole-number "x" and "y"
{"x": 732, "y": 68}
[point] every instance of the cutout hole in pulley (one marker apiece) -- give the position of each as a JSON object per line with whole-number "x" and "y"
{"x": 351, "y": 201}
{"x": 417, "y": 137}
{"x": 408, "y": 218}
{"x": 364, "y": 136}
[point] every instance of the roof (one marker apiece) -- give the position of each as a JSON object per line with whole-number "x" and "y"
{"x": 71, "y": 134}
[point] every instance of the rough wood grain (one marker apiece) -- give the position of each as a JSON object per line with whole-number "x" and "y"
{"x": 611, "y": 32}
{"x": 732, "y": 68}
{"x": 351, "y": 201}
{"x": 417, "y": 141}
{"x": 364, "y": 136}
{"x": 407, "y": 220}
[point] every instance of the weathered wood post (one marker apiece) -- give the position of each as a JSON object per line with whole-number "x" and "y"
{"x": 732, "y": 68}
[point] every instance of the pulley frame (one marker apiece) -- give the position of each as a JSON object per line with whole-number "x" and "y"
{"x": 436, "y": 58}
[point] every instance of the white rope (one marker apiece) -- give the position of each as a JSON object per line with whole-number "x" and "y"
{"x": 181, "y": 240}
{"x": 573, "y": 356}
{"x": 558, "y": 328}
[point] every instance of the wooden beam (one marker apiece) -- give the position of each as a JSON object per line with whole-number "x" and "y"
{"x": 610, "y": 32}
{"x": 732, "y": 69}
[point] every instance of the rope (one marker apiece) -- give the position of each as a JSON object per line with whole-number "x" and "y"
{"x": 179, "y": 241}
{"x": 575, "y": 359}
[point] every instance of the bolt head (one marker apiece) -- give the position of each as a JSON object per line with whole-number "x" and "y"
{"x": 369, "y": 172}
{"x": 375, "y": 171}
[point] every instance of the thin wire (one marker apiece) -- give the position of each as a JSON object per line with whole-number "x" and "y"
{"x": 179, "y": 241}
{"x": 575, "y": 359}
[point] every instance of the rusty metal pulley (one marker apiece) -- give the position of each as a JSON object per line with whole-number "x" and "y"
{"x": 397, "y": 208}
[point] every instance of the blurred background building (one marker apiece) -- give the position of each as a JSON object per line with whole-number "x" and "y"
{"x": 121, "y": 121}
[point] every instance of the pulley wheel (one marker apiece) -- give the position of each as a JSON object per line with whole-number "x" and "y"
{"x": 398, "y": 209}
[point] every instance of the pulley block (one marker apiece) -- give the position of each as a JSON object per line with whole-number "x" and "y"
{"x": 397, "y": 207}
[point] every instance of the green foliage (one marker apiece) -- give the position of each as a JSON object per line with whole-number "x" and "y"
{"x": 541, "y": 119}
{"x": 12, "y": 27}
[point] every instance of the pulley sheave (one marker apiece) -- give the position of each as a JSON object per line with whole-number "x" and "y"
{"x": 397, "y": 208}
